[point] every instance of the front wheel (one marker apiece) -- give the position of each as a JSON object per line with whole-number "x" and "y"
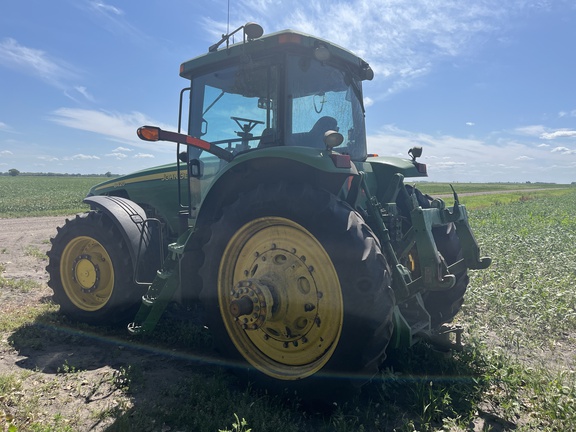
{"x": 295, "y": 283}
{"x": 91, "y": 271}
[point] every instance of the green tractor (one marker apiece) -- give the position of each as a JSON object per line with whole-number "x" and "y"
{"x": 305, "y": 255}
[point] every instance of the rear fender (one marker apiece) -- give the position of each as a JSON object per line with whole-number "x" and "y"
{"x": 276, "y": 164}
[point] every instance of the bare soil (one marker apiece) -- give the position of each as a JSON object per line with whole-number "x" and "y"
{"x": 67, "y": 374}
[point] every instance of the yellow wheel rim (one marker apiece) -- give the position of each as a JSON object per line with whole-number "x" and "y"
{"x": 87, "y": 274}
{"x": 280, "y": 298}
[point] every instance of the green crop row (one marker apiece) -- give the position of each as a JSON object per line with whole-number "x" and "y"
{"x": 23, "y": 196}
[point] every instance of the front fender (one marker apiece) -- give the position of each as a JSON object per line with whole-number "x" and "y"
{"x": 386, "y": 166}
{"x": 129, "y": 218}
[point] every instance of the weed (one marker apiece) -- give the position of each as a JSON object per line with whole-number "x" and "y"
{"x": 237, "y": 426}
{"x": 35, "y": 252}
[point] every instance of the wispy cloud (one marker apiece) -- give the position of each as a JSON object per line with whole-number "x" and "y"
{"x": 36, "y": 62}
{"x": 402, "y": 40}
{"x": 113, "y": 19}
{"x": 41, "y": 65}
{"x": 105, "y": 8}
{"x": 115, "y": 126}
{"x": 6, "y": 153}
{"x": 567, "y": 113}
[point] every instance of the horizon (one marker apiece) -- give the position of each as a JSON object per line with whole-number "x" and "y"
{"x": 484, "y": 89}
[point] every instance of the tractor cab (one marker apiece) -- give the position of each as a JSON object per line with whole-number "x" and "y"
{"x": 282, "y": 89}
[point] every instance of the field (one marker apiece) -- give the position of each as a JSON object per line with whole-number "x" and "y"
{"x": 517, "y": 371}
{"x": 43, "y": 195}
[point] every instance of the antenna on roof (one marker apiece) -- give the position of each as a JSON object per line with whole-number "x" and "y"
{"x": 228, "y": 23}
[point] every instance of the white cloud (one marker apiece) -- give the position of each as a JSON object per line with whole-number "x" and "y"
{"x": 563, "y": 150}
{"x": 48, "y": 158}
{"x": 563, "y": 133}
{"x": 470, "y": 123}
{"x": 6, "y": 153}
{"x": 143, "y": 156}
{"x": 4, "y": 126}
{"x": 494, "y": 157}
{"x": 117, "y": 155}
{"x": 81, "y": 156}
{"x": 122, "y": 149}
{"x": 544, "y": 145}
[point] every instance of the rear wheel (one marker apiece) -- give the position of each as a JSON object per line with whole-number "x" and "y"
{"x": 91, "y": 271}
{"x": 295, "y": 283}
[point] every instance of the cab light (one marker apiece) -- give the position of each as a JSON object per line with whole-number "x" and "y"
{"x": 289, "y": 38}
{"x": 372, "y": 155}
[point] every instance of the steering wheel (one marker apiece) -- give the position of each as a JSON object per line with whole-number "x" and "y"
{"x": 248, "y": 123}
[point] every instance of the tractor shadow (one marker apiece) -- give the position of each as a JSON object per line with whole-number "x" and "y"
{"x": 173, "y": 380}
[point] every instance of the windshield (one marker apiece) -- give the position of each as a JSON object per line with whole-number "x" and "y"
{"x": 237, "y": 108}
{"x": 323, "y": 98}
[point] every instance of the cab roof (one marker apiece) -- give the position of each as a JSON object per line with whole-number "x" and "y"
{"x": 285, "y": 40}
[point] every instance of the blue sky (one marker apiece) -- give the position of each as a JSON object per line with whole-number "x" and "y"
{"x": 487, "y": 87}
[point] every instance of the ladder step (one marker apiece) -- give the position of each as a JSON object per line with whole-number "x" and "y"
{"x": 153, "y": 307}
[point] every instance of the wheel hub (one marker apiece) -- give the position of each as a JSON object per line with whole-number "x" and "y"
{"x": 280, "y": 299}
{"x": 251, "y": 304}
{"x": 86, "y": 273}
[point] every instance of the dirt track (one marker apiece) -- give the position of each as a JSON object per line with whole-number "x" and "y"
{"x": 64, "y": 370}
{"x": 22, "y": 240}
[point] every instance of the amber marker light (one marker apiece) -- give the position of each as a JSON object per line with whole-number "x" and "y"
{"x": 148, "y": 133}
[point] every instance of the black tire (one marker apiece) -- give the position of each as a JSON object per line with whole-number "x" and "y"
{"x": 444, "y": 305}
{"x": 359, "y": 285}
{"x": 91, "y": 271}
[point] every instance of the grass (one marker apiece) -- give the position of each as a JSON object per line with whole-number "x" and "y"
{"x": 516, "y": 371}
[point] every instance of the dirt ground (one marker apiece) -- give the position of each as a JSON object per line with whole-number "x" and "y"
{"x": 70, "y": 378}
